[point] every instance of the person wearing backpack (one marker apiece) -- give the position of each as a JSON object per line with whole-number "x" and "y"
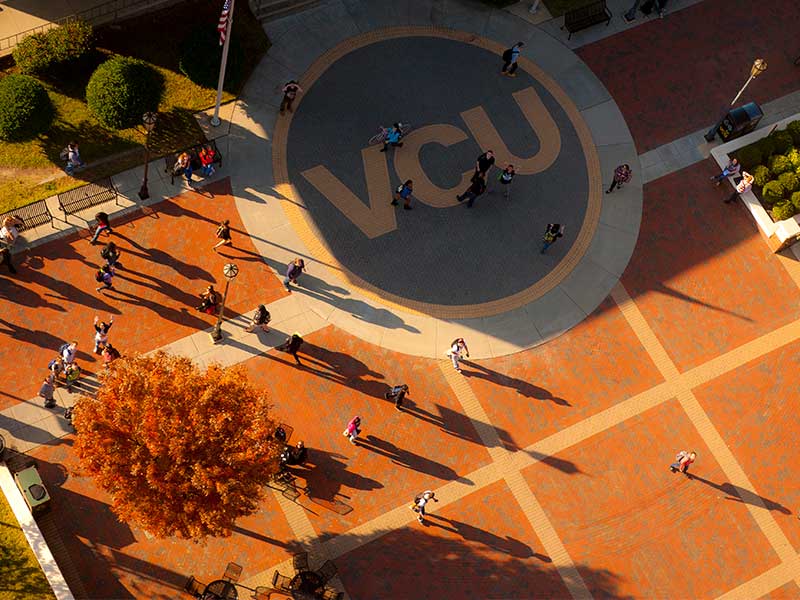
{"x": 551, "y": 234}
{"x": 398, "y": 394}
{"x": 403, "y": 192}
{"x": 111, "y": 254}
{"x": 510, "y": 57}
{"x": 292, "y": 345}
{"x": 476, "y": 188}
{"x": 67, "y": 353}
{"x": 393, "y": 135}
{"x": 260, "y": 318}
{"x": 102, "y": 225}
{"x": 73, "y": 157}
{"x": 104, "y": 275}
{"x": 505, "y": 178}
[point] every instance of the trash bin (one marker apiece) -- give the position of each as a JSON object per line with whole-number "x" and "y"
{"x": 740, "y": 121}
{"x": 30, "y": 484}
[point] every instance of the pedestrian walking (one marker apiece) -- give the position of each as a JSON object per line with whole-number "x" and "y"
{"x": 510, "y": 57}
{"x": 403, "y": 192}
{"x": 353, "y": 429}
{"x": 398, "y": 394}
{"x": 223, "y": 234}
{"x": 73, "y": 157}
{"x": 110, "y": 253}
{"x": 476, "y": 188}
{"x": 458, "y": 348}
{"x": 260, "y": 318}
{"x": 292, "y": 345}
{"x": 104, "y": 275}
{"x": 682, "y": 462}
{"x": 102, "y": 225}
{"x": 505, "y": 178}
{"x": 290, "y": 91}
{"x": 421, "y": 501}
{"x": 293, "y": 272}
{"x": 731, "y": 170}
{"x": 551, "y": 234}
{"x": 207, "y": 156}
{"x": 101, "y": 329}
{"x": 622, "y": 174}
{"x": 483, "y": 163}
{"x": 393, "y": 135}
{"x": 47, "y": 390}
{"x": 743, "y": 185}
{"x": 5, "y": 259}
{"x": 68, "y": 352}
{"x": 9, "y": 232}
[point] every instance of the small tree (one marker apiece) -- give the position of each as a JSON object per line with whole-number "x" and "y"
{"x": 122, "y": 89}
{"x": 181, "y": 451}
{"x": 25, "y": 108}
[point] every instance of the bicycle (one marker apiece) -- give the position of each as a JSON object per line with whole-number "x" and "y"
{"x": 380, "y": 137}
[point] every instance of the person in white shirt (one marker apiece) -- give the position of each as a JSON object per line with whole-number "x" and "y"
{"x": 742, "y": 186}
{"x": 457, "y": 348}
{"x": 421, "y": 501}
{"x": 9, "y": 232}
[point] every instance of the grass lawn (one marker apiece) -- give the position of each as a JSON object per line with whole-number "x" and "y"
{"x": 21, "y": 578}
{"x": 31, "y": 170}
{"x": 559, "y": 7}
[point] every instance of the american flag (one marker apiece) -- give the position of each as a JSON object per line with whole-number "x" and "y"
{"x": 223, "y": 21}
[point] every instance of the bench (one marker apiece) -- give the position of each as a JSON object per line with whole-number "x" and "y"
{"x": 87, "y": 196}
{"x": 586, "y": 16}
{"x": 32, "y": 215}
{"x": 193, "y": 151}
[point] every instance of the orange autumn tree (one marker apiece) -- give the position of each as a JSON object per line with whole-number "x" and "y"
{"x": 181, "y": 451}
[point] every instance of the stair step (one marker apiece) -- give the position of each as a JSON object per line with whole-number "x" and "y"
{"x": 281, "y": 8}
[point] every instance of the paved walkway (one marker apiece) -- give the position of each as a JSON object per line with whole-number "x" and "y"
{"x": 687, "y": 350}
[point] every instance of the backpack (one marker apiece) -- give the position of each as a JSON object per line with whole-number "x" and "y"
{"x": 507, "y": 55}
{"x": 105, "y": 252}
{"x": 62, "y": 348}
{"x": 99, "y": 276}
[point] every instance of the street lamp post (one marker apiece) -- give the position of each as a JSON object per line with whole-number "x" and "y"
{"x": 230, "y": 271}
{"x": 149, "y": 120}
{"x": 759, "y": 66}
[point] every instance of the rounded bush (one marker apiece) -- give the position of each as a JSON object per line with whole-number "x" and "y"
{"x": 122, "y": 89}
{"x": 782, "y": 141}
{"x": 784, "y": 210}
{"x": 773, "y": 192}
{"x": 794, "y": 157}
{"x": 42, "y": 52}
{"x": 25, "y": 108}
{"x": 761, "y": 175}
{"x": 750, "y": 156}
{"x": 767, "y": 147}
{"x": 789, "y": 181}
{"x": 794, "y": 130}
{"x": 779, "y": 164}
{"x": 795, "y": 199}
{"x": 200, "y": 57}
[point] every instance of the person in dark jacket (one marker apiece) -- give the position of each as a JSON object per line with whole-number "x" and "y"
{"x": 484, "y": 162}
{"x": 477, "y": 188}
{"x": 292, "y": 345}
{"x": 551, "y": 234}
{"x": 260, "y": 318}
{"x": 398, "y": 394}
{"x": 293, "y": 272}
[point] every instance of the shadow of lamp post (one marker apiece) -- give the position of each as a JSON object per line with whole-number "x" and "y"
{"x": 149, "y": 120}
{"x": 759, "y": 66}
{"x": 230, "y": 271}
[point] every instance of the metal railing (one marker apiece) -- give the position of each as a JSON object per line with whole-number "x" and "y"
{"x": 108, "y": 12}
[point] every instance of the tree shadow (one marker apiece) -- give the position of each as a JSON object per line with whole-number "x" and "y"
{"x": 523, "y": 388}
{"x": 739, "y": 494}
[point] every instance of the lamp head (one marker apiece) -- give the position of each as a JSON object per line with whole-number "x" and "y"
{"x": 759, "y": 66}
{"x": 230, "y": 271}
{"x": 149, "y": 120}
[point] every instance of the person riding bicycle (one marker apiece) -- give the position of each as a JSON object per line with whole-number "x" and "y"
{"x": 393, "y": 135}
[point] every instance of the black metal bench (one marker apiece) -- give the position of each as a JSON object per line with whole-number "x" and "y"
{"x": 193, "y": 151}
{"x": 586, "y": 16}
{"x": 32, "y": 215}
{"x": 87, "y": 196}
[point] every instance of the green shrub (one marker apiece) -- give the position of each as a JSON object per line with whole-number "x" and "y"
{"x": 122, "y": 89}
{"x": 778, "y": 164}
{"x": 783, "y": 210}
{"x": 25, "y": 108}
{"x": 200, "y": 57}
{"x": 767, "y": 147}
{"x": 773, "y": 192}
{"x": 796, "y": 200}
{"x": 794, "y": 130}
{"x": 782, "y": 141}
{"x": 750, "y": 156}
{"x": 761, "y": 175}
{"x": 42, "y": 52}
{"x": 794, "y": 157}
{"x": 789, "y": 181}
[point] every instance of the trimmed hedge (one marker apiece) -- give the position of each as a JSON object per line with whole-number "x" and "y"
{"x": 122, "y": 89}
{"x": 789, "y": 181}
{"x": 782, "y": 141}
{"x": 773, "y": 192}
{"x": 794, "y": 130}
{"x": 42, "y": 52}
{"x": 750, "y": 156}
{"x": 795, "y": 199}
{"x": 783, "y": 210}
{"x": 200, "y": 57}
{"x": 761, "y": 175}
{"x": 25, "y": 108}
{"x": 779, "y": 164}
{"x": 767, "y": 147}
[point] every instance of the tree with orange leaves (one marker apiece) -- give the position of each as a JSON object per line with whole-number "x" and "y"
{"x": 181, "y": 451}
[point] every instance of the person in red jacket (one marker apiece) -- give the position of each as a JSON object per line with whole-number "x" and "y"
{"x": 207, "y": 156}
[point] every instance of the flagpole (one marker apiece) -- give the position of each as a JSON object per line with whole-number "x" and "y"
{"x": 215, "y": 119}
